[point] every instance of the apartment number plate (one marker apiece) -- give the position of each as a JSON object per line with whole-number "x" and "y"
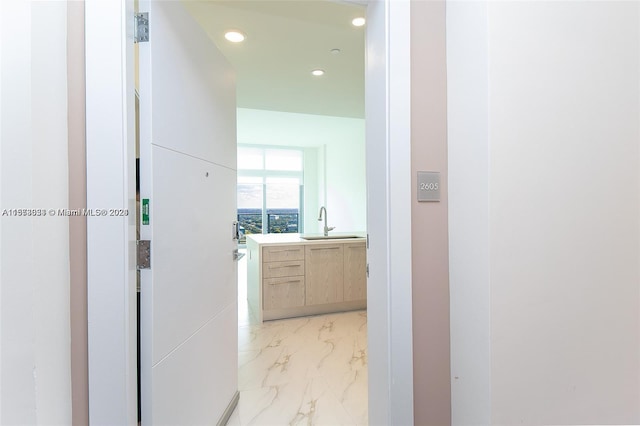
{"x": 429, "y": 186}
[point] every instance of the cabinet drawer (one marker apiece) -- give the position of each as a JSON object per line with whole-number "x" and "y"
{"x": 283, "y": 269}
{"x": 285, "y": 292}
{"x": 282, "y": 253}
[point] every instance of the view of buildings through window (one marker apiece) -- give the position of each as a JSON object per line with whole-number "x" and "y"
{"x": 269, "y": 190}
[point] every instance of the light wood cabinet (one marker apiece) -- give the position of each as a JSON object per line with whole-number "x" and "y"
{"x": 283, "y": 277}
{"x": 355, "y": 272}
{"x": 284, "y": 292}
{"x": 324, "y": 266}
{"x": 282, "y": 253}
{"x": 283, "y": 269}
{"x": 305, "y": 278}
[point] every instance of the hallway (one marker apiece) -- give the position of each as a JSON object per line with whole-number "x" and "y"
{"x": 309, "y": 370}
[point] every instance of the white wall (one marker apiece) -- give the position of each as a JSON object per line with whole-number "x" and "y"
{"x": 35, "y": 385}
{"x": 339, "y": 140}
{"x": 469, "y": 278}
{"x": 562, "y": 123}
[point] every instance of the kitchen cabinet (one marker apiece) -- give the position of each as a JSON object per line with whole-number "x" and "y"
{"x": 355, "y": 272}
{"x": 325, "y": 273}
{"x": 289, "y": 277}
{"x": 283, "y": 283}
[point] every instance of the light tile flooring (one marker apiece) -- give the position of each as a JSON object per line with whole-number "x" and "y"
{"x": 301, "y": 371}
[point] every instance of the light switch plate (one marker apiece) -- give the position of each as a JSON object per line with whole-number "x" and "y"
{"x": 429, "y": 186}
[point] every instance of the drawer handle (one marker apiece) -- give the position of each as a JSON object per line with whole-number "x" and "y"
{"x": 286, "y": 282}
{"x": 326, "y": 248}
{"x": 282, "y": 251}
{"x": 286, "y": 266}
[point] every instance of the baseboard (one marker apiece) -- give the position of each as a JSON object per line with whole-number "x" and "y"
{"x": 227, "y": 413}
{"x": 302, "y": 311}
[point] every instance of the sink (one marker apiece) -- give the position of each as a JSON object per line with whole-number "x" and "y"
{"x": 330, "y": 237}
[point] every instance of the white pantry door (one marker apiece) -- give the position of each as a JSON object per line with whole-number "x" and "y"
{"x": 188, "y": 175}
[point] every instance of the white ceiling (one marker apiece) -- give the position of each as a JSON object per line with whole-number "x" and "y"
{"x": 285, "y": 41}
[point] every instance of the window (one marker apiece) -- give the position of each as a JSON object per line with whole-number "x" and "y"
{"x": 270, "y": 182}
{"x": 250, "y": 204}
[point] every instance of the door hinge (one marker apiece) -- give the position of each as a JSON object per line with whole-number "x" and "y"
{"x": 367, "y": 270}
{"x": 141, "y": 27}
{"x": 143, "y": 254}
{"x": 367, "y": 240}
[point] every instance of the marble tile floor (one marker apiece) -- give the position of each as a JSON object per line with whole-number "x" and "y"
{"x": 301, "y": 371}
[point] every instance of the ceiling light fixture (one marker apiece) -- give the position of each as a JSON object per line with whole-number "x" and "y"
{"x": 335, "y": 51}
{"x": 317, "y": 73}
{"x": 358, "y": 22}
{"x": 234, "y": 36}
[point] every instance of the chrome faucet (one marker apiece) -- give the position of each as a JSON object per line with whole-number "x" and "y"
{"x": 326, "y": 228}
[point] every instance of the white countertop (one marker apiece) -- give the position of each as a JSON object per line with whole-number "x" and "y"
{"x": 277, "y": 239}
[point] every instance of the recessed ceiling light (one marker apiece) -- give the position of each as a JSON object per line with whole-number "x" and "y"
{"x": 335, "y": 51}
{"x": 234, "y": 36}
{"x": 317, "y": 73}
{"x": 358, "y": 22}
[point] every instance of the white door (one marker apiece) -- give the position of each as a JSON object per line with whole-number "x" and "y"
{"x": 188, "y": 175}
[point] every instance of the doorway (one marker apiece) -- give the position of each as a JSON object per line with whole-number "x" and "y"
{"x": 301, "y": 146}
{"x": 111, "y": 349}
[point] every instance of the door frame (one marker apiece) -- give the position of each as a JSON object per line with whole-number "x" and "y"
{"x": 111, "y": 246}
